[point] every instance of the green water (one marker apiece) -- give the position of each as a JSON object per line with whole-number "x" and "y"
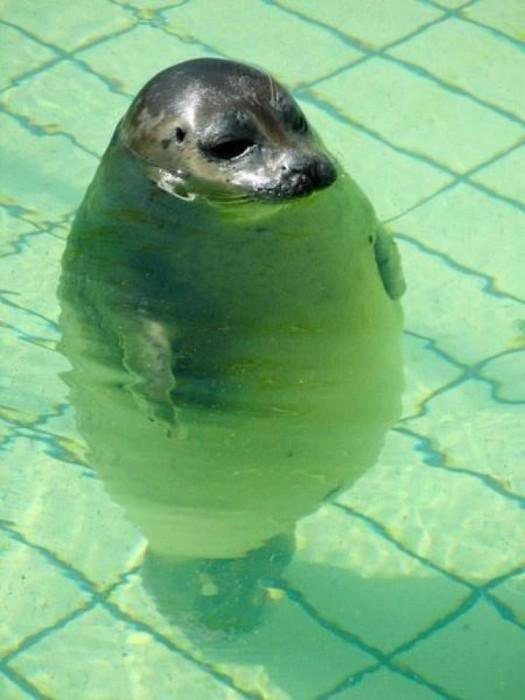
{"x": 411, "y": 583}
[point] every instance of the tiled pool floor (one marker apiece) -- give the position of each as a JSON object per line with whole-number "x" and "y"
{"x": 413, "y": 583}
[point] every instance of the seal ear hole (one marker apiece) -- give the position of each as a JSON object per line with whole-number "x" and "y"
{"x": 227, "y": 150}
{"x": 180, "y": 134}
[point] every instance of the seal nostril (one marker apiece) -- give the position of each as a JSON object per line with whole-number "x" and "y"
{"x": 179, "y": 134}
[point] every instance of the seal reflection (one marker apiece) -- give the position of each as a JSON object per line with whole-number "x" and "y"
{"x": 233, "y": 331}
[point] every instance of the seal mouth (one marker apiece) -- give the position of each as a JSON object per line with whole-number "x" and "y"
{"x": 300, "y": 182}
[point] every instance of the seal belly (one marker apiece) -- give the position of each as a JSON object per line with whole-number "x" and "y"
{"x": 285, "y": 353}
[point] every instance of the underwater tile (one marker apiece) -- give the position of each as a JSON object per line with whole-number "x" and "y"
{"x": 470, "y": 57}
{"x": 267, "y": 660}
{"x": 47, "y": 174}
{"x": 479, "y": 655}
{"x": 19, "y": 54}
{"x": 157, "y": 50}
{"x": 403, "y": 181}
{"x": 149, "y": 4}
{"x": 512, "y": 594}
{"x": 477, "y": 433}
{"x": 99, "y": 656}
{"x": 41, "y": 250}
{"x": 26, "y": 326}
{"x": 500, "y": 176}
{"x": 55, "y": 23}
{"x": 414, "y": 113}
{"x": 34, "y": 593}
{"x": 64, "y": 508}
{"x": 506, "y": 372}
{"x": 67, "y": 99}
{"x": 426, "y": 371}
{"x": 11, "y": 691}
{"x": 450, "y": 4}
{"x": 29, "y": 375}
{"x": 202, "y": 21}
{"x": 507, "y": 17}
{"x": 14, "y": 230}
{"x": 383, "y": 684}
{"x": 476, "y": 230}
{"x": 388, "y": 21}
{"x": 362, "y": 583}
{"x": 6, "y": 427}
{"x": 449, "y": 518}
{"x": 453, "y": 309}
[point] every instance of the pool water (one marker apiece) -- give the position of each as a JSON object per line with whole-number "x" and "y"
{"x": 411, "y": 583}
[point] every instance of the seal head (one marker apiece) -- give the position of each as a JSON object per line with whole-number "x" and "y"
{"x": 226, "y": 131}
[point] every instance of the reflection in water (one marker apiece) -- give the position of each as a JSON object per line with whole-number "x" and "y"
{"x": 232, "y": 367}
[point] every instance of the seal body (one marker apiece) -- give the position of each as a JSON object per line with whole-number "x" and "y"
{"x": 234, "y": 346}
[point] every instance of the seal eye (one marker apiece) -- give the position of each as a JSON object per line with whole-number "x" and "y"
{"x": 299, "y": 124}
{"x": 227, "y": 150}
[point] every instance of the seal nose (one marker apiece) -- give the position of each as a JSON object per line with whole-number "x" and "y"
{"x": 306, "y": 173}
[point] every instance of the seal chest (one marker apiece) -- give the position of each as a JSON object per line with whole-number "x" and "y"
{"x": 230, "y": 314}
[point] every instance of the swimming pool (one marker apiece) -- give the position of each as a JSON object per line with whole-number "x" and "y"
{"x": 412, "y": 583}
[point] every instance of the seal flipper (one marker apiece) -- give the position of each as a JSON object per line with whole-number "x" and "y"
{"x": 389, "y": 263}
{"x": 148, "y": 357}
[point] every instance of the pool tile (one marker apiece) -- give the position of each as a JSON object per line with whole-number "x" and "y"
{"x": 506, "y": 372}
{"x": 268, "y": 661}
{"x": 488, "y": 440}
{"x": 470, "y": 57}
{"x": 512, "y": 594}
{"x": 55, "y": 23}
{"x": 34, "y": 593}
{"x": 383, "y": 685}
{"x": 426, "y": 371}
{"x": 500, "y": 176}
{"x": 435, "y": 306}
{"x": 507, "y": 17}
{"x": 100, "y": 543}
{"x": 450, "y": 4}
{"x": 11, "y": 691}
{"x": 389, "y": 21}
{"x": 394, "y": 182}
{"x": 414, "y": 113}
{"x": 479, "y": 655}
{"x": 451, "y": 225}
{"x": 149, "y": 5}
{"x": 20, "y": 54}
{"x": 112, "y": 659}
{"x": 92, "y": 109}
{"x": 40, "y": 174}
{"x": 451, "y": 519}
{"x": 157, "y": 50}
{"x": 362, "y": 583}
{"x": 33, "y": 308}
{"x": 29, "y": 338}
{"x": 14, "y": 232}
{"x": 207, "y": 22}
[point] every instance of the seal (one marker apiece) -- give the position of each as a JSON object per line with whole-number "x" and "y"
{"x": 229, "y": 310}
